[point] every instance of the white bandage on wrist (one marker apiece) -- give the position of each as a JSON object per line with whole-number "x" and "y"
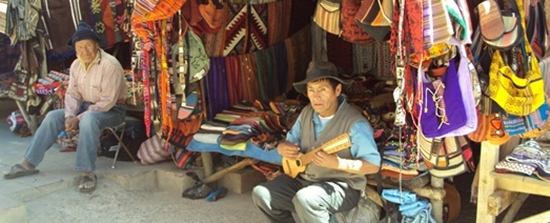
{"x": 347, "y": 164}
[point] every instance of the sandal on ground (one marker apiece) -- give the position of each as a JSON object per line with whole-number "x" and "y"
{"x": 19, "y": 170}
{"x": 85, "y": 180}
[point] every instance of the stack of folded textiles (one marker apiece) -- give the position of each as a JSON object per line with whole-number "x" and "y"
{"x": 58, "y": 76}
{"x": 209, "y": 132}
{"x": 393, "y": 170}
{"x": 411, "y": 207}
{"x": 244, "y": 122}
{"x": 238, "y": 110}
{"x": 400, "y": 163}
{"x": 48, "y": 85}
{"x": 261, "y": 128}
{"x": 527, "y": 158}
{"x": 403, "y": 156}
{"x": 263, "y": 123}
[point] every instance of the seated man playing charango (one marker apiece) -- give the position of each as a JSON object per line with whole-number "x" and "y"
{"x": 331, "y": 183}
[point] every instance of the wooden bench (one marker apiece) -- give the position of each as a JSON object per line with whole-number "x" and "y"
{"x": 499, "y": 191}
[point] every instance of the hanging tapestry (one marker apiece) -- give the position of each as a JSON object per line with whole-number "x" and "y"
{"x": 213, "y": 42}
{"x": 257, "y": 27}
{"x": 68, "y": 13}
{"x": 104, "y": 23}
{"x": 235, "y": 31}
{"x": 340, "y": 53}
{"x": 251, "y": 86}
{"x": 234, "y": 80}
{"x": 246, "y": 29}
{"x": 217, "y": 97}
{"x": 374, "y": 58}
{"x": 278, "y": 21}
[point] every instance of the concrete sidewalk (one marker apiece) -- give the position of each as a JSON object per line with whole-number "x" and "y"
{"x": 129, "y": 193}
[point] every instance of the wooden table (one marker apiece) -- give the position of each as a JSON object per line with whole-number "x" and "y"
{"x": 499, "y": 191}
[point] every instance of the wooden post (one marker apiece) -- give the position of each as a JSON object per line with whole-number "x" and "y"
{"x": 207, "y": 164}
{"x": 437, "y": 204}
{"x": 489, "y": 157}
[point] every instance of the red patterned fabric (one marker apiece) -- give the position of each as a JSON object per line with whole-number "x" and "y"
{"x": 246, "y": 29}
{"x": 351, "y": 32}
{"x": 412, "y": 40}
{"x": 147, "y": 111}
{"x": 257, "y": 27}
{"x": 106, "y": 26}
{"x": 235, "y": 31}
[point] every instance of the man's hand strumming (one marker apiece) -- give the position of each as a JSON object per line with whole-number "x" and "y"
{"x": 288, "y": 150}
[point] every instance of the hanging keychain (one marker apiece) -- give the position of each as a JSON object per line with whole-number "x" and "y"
{"x": 400, "y": 113}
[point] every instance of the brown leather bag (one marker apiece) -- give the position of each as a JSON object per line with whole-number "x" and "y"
{"x": 497, "y": 135}
{"x": 480, "y": 134}
{"x": 213, "y": 13}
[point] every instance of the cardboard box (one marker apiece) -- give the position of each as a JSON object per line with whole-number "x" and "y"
{"x": 241, "y": 181}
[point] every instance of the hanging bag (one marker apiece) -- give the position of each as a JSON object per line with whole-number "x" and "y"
{"x": 213, "y": 13}
{"x": 480, "y": 134}
{"x": 536, "y": 123}
{"x": 500, "y": 30}
{"x": 152, "y": 151}
{"x": 442, "y": 25}
{"x": 443, "y": 107}
{"x": 375, "y": 18}
{"x": 497, "y": 134}
{"x": 443, "y": 156}
{"x": 490, "y": 20}
{"x": 516, "y": 95}
{"x": 466, "y": 90}
{"x": 327, "y": 16}
{"x": 529, "y": 126}
{"x": 541, "y": 38}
